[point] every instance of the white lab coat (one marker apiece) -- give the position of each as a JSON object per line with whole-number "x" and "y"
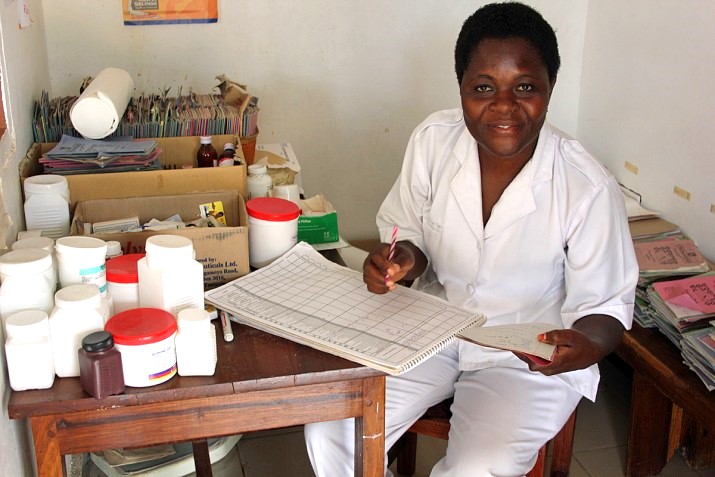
{"x": 556, "y": 246}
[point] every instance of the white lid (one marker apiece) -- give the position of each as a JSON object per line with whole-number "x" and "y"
{"x": 45, "y": 243}
{"x": 256, "y": 169}
{"x": 46, "y": 184}
{"x": 114, "y": 248}
{"x": 25, "y": 262}
{"x": 229, "y": 145}
{"x": 27, "y": 324}
{"x": 193, "y": 319}
{"x": 77, "y": 296}
{"x": 70, "y": 244}
{"x": 205, "y": 139}
{"x": 164, "y": 250}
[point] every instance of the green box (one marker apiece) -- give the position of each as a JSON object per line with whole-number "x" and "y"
{"x": 321, "y": 228}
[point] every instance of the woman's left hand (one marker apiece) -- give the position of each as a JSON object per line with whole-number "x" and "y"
{"x": 590, "y": 340}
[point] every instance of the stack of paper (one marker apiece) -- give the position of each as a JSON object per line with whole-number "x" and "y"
{"x": 669, "y": 257}
{"x": 74, "y": 155}
{"x": 698, "y": 349}
{"x": 634, "y": 209}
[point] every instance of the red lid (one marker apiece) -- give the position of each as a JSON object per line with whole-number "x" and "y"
{"x": 123, "y": 269}
{"x": 140, "y": 326}
{"x": 273, "y": 209}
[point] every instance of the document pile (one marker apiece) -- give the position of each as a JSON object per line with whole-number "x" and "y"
{"x": 659, "y": 260}
{"x": 74, "y": 155}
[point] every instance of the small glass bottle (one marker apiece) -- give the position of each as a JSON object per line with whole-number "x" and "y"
{"x": 259, "y": 182}
{"x": 100, "y": 365}
{"x": 227, "y": 156}
{"x": 207, "y": 155}
{"x": 195, "y": 343}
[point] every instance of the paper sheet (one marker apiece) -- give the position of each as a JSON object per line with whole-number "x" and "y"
{"x": 306, "y": 298}
{"x": 519, "y": 337}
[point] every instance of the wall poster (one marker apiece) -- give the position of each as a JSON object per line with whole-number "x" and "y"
{"x": 160, "y": 12}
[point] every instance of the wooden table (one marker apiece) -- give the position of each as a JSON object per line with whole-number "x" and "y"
{"x": 670, "y": 406}
{"x": 261, "y": 382}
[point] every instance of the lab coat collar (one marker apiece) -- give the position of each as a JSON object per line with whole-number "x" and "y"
{"x": 518, "y": 198}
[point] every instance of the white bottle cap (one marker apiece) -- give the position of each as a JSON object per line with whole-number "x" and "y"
{"x": 27, "y": 324}
{"x": 205, "y": 139}
{"x": 193, "y": 319}
{"x": 77, "y": 296}
{"x": 25, "y": 262}
{"x": 256, "y": 169}
{"x": 46, "y": 184}
{"x": 114, "y": 248}
{"x": 45, "y": 243}
{"x": 164, "y": 250}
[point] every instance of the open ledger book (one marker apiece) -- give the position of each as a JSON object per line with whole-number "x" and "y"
{"x": 304, "y": 297}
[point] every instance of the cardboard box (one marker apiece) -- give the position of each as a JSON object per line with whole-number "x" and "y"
{"x": 176, "y": 152}
{"x": 223, "y": 251}
{"x": 319, "y": 221}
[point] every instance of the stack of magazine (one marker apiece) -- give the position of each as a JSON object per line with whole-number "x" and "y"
{"x": 74, "y": 155}
{"x": 676, "y": 295}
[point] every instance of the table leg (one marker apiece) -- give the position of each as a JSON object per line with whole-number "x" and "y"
{"x": 202, "y": 458}
{"x": 370, "y": 430}
{"x": 47, "y": 446}
{"x": 648, "y": 430}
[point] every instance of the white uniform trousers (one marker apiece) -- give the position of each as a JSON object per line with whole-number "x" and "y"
{"x": 500, "y": 418}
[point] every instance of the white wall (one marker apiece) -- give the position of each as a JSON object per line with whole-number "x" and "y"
{"x": 647, "y": 98}
{"x": 24, "y": 75}
{"x": 344, "y": 82}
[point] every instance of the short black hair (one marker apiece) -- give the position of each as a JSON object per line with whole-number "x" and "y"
{"x": 507, "y": 20}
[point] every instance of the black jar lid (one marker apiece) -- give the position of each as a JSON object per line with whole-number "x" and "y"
{"x": 97, "y": 341}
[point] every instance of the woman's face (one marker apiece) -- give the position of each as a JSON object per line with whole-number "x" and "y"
{"x": 505, "y": 94}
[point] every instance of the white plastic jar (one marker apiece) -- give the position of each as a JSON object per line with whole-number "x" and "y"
{"x": 79, "y": 310}
{"x": 82, "y": 260}
{"x": 195, "y": 343}
{"x": 272, "y": 229}
{"x": 47, "y": 205}
{"x": 169, "y": 277}
{"x": 123, "y": 281}
{"x": 145, "y": 338}
{"x": 27, "y": 281}
{"x": 44, "y": 243}
{"x": 259, "y": 183}
{"x": 28, "y": 350}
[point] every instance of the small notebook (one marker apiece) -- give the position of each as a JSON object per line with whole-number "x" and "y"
{"x": 519, "y": 338}
{"x": 304, "y": 297}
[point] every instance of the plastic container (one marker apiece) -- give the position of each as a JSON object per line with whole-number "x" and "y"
{"x": 227, "y": 156}
{"x": 79, "y": 310}
{"x": 169, "y": 277}
{"x": 28, "y": 351}
{"x": 47, "y": 205}
{"x": 272, "y": 229}
{"x": 100, "y": 365}
{"x": 44, "y": 243}
{"x": 206, "y": 155}
{"x": 258, "y": 180}
{"x": 114, "y": 249}
{"x": 145, "y": 338}
{"x": 123, "y": 281}
{"x": 27, "y": 281}
{"x": 82, "y": 260}
{"x": 195, "y": 343}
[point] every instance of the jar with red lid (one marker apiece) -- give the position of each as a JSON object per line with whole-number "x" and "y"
{"x": 123, "y": 281}
{"x": 272, "y": 229}
{"x": 145, "y": 338}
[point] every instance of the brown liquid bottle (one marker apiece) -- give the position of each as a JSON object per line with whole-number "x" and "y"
{"x": 227, "y": 156}
{"x": 207, "y": 155}
{"x": 100, "y": 365}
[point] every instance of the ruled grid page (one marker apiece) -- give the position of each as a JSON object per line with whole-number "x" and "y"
{"x": 306, "y": 298}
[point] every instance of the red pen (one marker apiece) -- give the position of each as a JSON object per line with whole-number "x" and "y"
{"x": 392, "y": 249}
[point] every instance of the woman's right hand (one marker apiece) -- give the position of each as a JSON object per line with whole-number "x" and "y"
{"x": 380, "y": 274}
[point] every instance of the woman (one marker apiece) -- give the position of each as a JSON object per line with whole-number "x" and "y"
{"x": 500, "y": 213}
